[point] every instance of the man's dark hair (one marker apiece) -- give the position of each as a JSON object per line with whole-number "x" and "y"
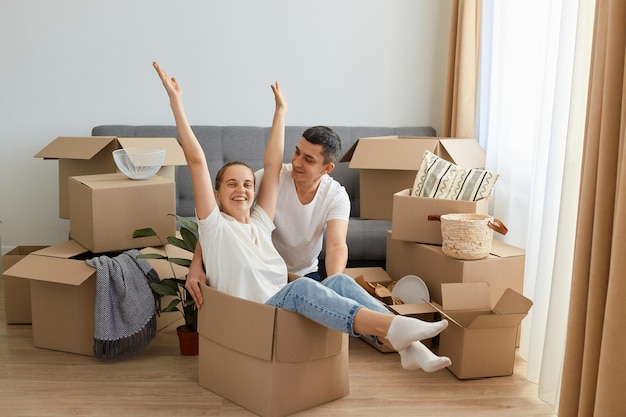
{"x": 328, "y": 138}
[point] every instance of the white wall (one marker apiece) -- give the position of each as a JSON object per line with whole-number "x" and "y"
{"x": 68, "y": 65}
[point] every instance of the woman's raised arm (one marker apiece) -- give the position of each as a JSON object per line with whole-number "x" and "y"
{"x": 196, "y": 160}
{"x": 273, "y": 159}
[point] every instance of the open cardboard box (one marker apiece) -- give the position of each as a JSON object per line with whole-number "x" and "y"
{"x": 107, "y": 208}
{"x": 270, "y": 361}
{"x": 62, "y": 291}
{"x": 17, "y": 290}
{"x": 480, "y": 340}
{"x": 409, "y": 220}
{"x": 389, "y": 164}
{"x": 89, "y": 155}
{"x": 377, "y": 275}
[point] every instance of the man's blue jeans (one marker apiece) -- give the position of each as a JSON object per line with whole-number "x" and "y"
{"x": 332, "y": 303}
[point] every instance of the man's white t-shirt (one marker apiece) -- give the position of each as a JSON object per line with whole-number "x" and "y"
{"x": 299, "y": 232}
{"x": 239, "y": 258}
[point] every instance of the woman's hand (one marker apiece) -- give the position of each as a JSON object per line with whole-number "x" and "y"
{"x": 174, "y": 91}
{"x": 281, "y": 102}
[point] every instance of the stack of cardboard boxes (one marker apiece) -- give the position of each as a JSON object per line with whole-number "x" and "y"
{"x": 51, "y": 286}
{"x": 293, "y": 363}
{"x": 489, "y": 287}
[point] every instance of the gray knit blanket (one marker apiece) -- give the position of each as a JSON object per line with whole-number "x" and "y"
{"x": 125, "y": 306}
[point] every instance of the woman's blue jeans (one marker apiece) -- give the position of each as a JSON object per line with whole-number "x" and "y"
{"x": 332, "y": 302}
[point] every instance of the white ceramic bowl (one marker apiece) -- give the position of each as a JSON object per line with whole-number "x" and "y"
{"x": 139, "y": 163}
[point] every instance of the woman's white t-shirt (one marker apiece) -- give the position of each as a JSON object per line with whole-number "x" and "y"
{"x": 240, "y": 258}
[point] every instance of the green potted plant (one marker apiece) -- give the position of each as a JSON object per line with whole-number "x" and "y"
{"x": 175, "y": 287}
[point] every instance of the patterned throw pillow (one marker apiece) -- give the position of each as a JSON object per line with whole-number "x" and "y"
{"x": 438, "y": 178}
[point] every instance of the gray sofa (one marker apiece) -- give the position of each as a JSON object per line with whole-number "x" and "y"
{"x": 366, "y": 238}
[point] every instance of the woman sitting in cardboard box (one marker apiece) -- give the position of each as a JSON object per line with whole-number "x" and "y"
{"x": 240, "y": 259}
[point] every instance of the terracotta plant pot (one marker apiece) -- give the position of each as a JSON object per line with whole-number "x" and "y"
{"x": 188, "y": 342}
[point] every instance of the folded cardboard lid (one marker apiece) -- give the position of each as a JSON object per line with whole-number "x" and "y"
{"x": 52, "y": 264}
{"x": 174, "y": 154}
{"x": 512, "y": 302}
{"x": 240, "y": 325}
{"x": 117, "y": 180}
{"x": 402, "y": 153}
{"x": 412, "y": 309}
{"x": 63, "y": 250}
{"x": 465, "y": 153}
{"x": 504, "y": 250}
{"x": 465, "y": 297}
{"x": 75, "y": 147}
{"x": 86, "y": 147}
{"x": 370, "y": 274}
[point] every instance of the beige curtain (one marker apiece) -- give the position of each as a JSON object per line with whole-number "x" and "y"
{"x": 461, "y": 76}
{"x": 594, "y": 371}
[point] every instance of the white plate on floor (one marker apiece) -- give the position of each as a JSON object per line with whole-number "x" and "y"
{"x": 411, "y": 289}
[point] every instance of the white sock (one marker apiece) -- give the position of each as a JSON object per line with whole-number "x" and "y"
{"x": 405, "y": 330}
{"x": 418, "y": 356}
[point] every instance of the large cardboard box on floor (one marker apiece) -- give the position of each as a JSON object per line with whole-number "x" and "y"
{"x": 502, "y": 269}
{"x": 377, "y": 275}
{"x": 107, "y": 208}
{"x": 389, "y": 164}
{"x": 62, "y": 291}
{"x": 268, "y": 360}
{"x": 17, "y": 290}
{"x": 409, "y": 220}
{"x": 89, "y": 155}
{"x": 480, "y": 340}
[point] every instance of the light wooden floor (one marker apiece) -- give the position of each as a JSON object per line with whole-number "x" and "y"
{"x": 161, "y": 382}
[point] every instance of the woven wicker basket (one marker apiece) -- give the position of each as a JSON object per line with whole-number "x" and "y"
{"x": 468, "y": 236}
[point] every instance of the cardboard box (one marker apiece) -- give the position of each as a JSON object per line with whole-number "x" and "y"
{"x": 377, "y": 275}
{"x": 107, "y": 208}
{"x": 409, "y": 220}
{"x": 389, "y": 164}
{"x": 63, "y": 290}
{"x": 270, "y": 361}
{"x": 503, "y": 269}
{"x": 480, "y": 341}
{"x": 93, "y": 155}
{"x": 17, "y": 290}
{"x": 374, "y": 275}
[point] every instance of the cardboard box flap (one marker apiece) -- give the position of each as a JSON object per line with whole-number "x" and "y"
{"x": 115, "y": 180}
{"x": 64, "y": 250}
{"x": 389, "y": 153}
{"x": 370, "y": 274}
{"x": 173, "y": 151}
{"x": 512, "y": 302}
{"x": 465, "y": 153}
{"x": 465, "y": 296}
{"x": 502, "y": 250}
{"x": 495, "y": 321}
{"x": 84, "y": 148}
{"x": 412, "y": 309}
{"x": 51, "y": 269}
{"x": 240, "y": 322}
{"x": 299, "y": 339}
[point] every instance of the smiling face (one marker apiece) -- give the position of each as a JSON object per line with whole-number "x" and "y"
{"x": 308, "y": 162}
{"x": 234, "y": 190}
